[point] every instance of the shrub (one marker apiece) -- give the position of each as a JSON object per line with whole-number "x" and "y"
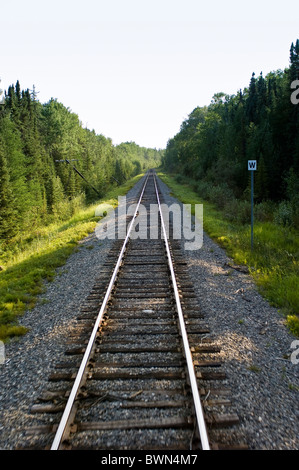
{"x": 179, "y": 179}
{"x": 263, "y": 212}
{"x": 293, "y": 324}
{"x": 243, "y": 214}
{"x": 220, "y": 195}
{"x": 202, "y": 188}
{"x": 284, "y": 214}
{"x": 231, "y": 210}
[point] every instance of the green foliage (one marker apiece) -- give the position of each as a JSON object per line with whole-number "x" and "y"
{"x": 51, "y": 168}
{"x": 283, "y": 214}
{"x": 293, "y": 323}
{"x": 7, "y": 210}
{"x": 274, "y": 261}
{"x": 37, "y": 184}
{"x": 34, "y": 258}
{"x": 259, "y": 123}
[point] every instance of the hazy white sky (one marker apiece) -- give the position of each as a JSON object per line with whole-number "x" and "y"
{"x": 133, "y": 70}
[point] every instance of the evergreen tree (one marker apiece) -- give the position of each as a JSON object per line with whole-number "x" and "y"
{"x": 8, "y": 226}
{"x": 261, "y": 181}
{"x": 294, "y": 61}
{"x": 36, "y": 140}
{"x": 56, "y": 195}
{"x": 259, "y": 123}
{"x": 251, "y": 102}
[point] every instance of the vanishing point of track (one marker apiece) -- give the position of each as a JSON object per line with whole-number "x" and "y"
{"x": 146, "y": 376}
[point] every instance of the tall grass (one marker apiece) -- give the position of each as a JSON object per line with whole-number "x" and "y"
{"x": 273, "y": 262}
{"x": 34, "y": 257}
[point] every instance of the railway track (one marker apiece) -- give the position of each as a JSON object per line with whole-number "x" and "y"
{"x": 141, "y": 371}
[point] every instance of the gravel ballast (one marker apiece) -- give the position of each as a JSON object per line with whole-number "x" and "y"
{"x": 255, "y": 343}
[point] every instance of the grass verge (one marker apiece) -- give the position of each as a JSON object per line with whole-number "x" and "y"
{"x": 34, "y": 258}
{"x": 273, "y": 262}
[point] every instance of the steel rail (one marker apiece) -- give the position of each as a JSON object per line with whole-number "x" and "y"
{"x": 64, "y": 422}
{"x": 192, "y": 376}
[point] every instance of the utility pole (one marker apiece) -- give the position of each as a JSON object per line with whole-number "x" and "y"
{"x": 78, "y": 172}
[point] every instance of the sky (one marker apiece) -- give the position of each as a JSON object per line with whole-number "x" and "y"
{"x": 133, "y": 70}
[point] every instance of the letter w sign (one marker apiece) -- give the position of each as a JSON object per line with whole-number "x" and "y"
{"x": 252, "y": 165}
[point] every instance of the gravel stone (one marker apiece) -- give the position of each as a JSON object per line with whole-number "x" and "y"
{"x": 254, "y": 340}
{"x": 255, "y": 344}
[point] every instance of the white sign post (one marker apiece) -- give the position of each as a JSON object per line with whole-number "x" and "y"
{"x": 252, "y": 166}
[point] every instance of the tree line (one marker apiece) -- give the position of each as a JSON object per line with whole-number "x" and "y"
{"x": 258, "y": 123}
{"x": 50, "y": 165}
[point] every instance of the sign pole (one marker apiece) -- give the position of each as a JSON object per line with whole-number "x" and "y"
{"x": 252, "y": 167}
{"x": 252, "y": 210}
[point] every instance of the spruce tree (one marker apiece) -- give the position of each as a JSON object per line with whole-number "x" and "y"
{"x": 251, "y": 104}
{"x": 7, "y": 212}
{"x": 294, "y": 61}
{"x": 261, "y": 181}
